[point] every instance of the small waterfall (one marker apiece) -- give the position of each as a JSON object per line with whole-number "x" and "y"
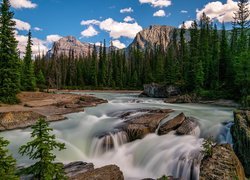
{"x": 110, "y": 141}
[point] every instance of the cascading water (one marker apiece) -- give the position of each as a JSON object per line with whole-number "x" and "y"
{"x": 108, "y": 142}
{"x": 91, "y": 136}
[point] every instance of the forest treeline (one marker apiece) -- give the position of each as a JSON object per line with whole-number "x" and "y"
{"x": 202, "y": 59}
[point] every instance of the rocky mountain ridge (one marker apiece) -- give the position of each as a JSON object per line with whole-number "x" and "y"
{"x": 147, "y": 38}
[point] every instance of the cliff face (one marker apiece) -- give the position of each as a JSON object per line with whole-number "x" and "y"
{"x": 241, "y": 136}
{"x": 147, "y": 38}
{"x": 70, "y": 46}
{"x": 154, "y": 35}
{"x": 223, "y": 164}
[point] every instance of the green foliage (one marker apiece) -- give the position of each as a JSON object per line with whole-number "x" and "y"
{"x": 7, "y": 163}
{"x": 164, "y": 177}
{"x": 40, "y": 149}
{"x": 9, "y": 62}
{"x": 207, "y": 147}
{"x": 28, "y": 77}
{"x": 211, "y": 63}
{"x": 40, "y": 80}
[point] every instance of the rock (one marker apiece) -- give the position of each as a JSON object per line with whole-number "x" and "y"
{"x": 241, "y": 138}
{"x": 139, "y": 127}
{"x": 77, "y": 168}
{"x": 70, "y": 46}
{"x": 223, "y": 164}
{"x": 160, "y": 91}
{"x": 188, "y": 127}
{"x": 110, "y": 172}
{"x": 18, "y": 119}
{"x": 135, "y": 126}
{"x": 187, "y": 98}
{"x": 154, "y": 35}
{"x": 172, "y": 124}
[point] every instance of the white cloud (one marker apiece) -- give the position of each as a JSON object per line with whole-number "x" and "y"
{"x": 219, "y": 11}
{"x": 89, "y": 32}
{"x": 53, "y": 38}
{"x": 38, "y": 29}
{"x": 39, "y": 46}
{"x": 157, "y": 3}
{"x": 188, "y": 24}
{"x": 160, "y": 13}
{"x": 21, "y": 25}
{"x": 184, "y": 11}
{"x": 118, "y": 44}
{"x": 128, "y": 19}
{"x": 18, "y": 4}
{"x": 126, "y": 10}
{"x": 90, "y": 22}
{"x": 120, "y": 29}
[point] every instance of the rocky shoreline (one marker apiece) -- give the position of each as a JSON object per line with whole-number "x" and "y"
{"x": 36, "y": 105}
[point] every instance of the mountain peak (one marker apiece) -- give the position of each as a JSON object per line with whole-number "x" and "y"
{"x": 154, "y": 35}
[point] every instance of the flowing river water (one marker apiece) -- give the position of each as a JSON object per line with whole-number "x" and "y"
{"x": 150, "y": 157}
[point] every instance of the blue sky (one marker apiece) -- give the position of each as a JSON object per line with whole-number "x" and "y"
{"x": 52, "y": 19}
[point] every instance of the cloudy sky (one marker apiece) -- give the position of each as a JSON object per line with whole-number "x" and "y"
{"x": 116, "y": 20}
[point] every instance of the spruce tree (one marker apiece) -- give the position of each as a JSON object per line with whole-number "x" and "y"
{"x": 9, "y": 61}
{"x": 40, "y": 149}
{"x": 28, "y": 78}
{"x": 7, "y": 163}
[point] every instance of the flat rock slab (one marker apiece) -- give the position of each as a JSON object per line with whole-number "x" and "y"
{"x": 35, "y": 105}
{"x": 12, "y": 120}
{"x": 223, "y": 164}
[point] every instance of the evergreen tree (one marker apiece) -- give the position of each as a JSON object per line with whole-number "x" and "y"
{"x": 7, "y": 163}
{"x": 28, "y": 77}
{"x": 40, "y": 148}
{"x": 241, "y": 18}
{"x": 9, "y": 62}
{"x": 40, "y": 79}
{"x": 224, "y": 58}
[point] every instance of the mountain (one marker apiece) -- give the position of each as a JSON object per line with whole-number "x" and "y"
{"x": 69, "y": 45}
{"x": 154, "y": 35}
{"x": 149, "y": 37}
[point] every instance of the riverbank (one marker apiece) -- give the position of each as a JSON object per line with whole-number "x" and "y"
{"x": 51, "y": 106}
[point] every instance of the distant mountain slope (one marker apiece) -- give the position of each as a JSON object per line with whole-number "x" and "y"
{"x": 68, "y": 46}
{"x": 154, "y": 35}
{"x": 147, "y": 38}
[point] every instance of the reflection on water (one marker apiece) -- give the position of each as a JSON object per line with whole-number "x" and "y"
{"x": 152, "y": 156}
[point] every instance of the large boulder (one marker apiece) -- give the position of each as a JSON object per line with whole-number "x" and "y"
{"x": 160, "y": 91}
{"x": 172, "y": 124}
{"x": 77, "y": 168}
{"x": 137, "y": 127}
{"x": 241, "y": 138}
{"x": 223, "y": 164}
{"x": 110, "y": 172}
{"x": 181, "y": 125}
{"x": 188, "y": 127}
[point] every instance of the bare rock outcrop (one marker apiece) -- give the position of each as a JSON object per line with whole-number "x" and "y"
{"x": 160, "y": 91}
{"x": 181, "y": 124}
{"x": 154, "y": 35}
{"x": 110, "y": 172}
{"x": 241, "y": 138}
{"x": 223, "y": 164}
{"x": 172, "y": 124}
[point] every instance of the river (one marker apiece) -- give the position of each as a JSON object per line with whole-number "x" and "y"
{"x": 150, "y": 157}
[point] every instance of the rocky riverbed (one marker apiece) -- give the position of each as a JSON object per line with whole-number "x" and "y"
{"x": 51, "y": 106}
